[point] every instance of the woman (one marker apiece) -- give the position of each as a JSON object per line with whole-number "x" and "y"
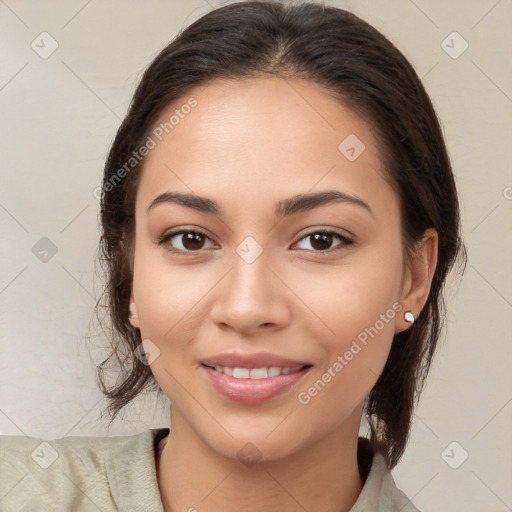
{"x": 278, "y": 218}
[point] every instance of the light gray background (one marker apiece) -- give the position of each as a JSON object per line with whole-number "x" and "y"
{"x": 58, "y": 118}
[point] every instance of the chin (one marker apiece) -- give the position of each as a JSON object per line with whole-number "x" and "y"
{"x": 250, "y": 450}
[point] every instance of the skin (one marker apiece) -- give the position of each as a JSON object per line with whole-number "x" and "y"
{"x": 246, "y": 145}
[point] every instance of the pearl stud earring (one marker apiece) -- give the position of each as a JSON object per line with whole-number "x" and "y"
{"x": 409, "y": 317}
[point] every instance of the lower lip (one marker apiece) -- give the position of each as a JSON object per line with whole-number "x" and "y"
{"x": 252, "y": 391}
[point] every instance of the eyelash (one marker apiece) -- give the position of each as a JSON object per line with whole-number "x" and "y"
{"x": 344, "y": 239}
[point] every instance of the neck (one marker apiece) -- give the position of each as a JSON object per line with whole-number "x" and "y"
{"x": 322, "y": 476}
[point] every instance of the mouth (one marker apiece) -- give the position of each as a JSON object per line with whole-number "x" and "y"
{"x": 255, "y": 373}
{"x": 252, "y": 384}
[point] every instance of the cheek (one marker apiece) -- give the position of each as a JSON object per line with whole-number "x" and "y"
{"x": 352, "y": 297}
{"x": 164, "y": 307}
{"x": 170, "y": 298}
{"x": 355, "y": 356}
{"x": 356, "y": 306}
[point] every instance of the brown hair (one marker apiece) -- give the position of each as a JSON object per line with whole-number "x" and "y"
{"x": 339, "y": 51}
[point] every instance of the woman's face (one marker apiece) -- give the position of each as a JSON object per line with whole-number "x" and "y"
{"x": 260, "y": 286}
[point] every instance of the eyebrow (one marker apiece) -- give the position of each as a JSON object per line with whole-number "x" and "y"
{"x": 282, "y": 208}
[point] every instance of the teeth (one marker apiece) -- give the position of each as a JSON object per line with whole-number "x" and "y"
{"x": 259, "y": 373}
{"x": 274, "y": 371}
{"x": 255, "y": 373}
{"x": 241, "y": 373}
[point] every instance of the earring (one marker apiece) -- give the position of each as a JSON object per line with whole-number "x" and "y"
{"x": 409, "y": 317}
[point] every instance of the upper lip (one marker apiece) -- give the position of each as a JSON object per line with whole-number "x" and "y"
{"x": 261, "y": 360}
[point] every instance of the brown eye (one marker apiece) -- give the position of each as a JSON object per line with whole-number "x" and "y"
{"x": 192, "y": 241}
{"x": 185, "y": 241}
{"x": 321, "y": 241}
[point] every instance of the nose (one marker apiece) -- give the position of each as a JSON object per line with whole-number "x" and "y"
{"x": 252, "y": 296}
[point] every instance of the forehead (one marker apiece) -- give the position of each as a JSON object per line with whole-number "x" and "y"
{"x": 262, "y": 137}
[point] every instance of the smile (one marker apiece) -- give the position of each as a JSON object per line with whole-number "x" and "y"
{"x": 253, "y": 385}
{"x": 255, "y": 373}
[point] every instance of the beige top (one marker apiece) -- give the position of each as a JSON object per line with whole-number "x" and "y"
{"x": 82, "y": 474}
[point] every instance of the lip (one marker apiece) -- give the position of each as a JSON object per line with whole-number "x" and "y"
{"x": 260, "y": 360}
{"x": 252, "y": 391}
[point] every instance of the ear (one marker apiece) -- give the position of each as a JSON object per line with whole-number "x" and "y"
{"x": 134, "y": 319}
{"x": 418, "y": 277}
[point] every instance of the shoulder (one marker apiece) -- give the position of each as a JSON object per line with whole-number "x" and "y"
{"x": 379, "y": 493}
{"x": 78, "y": 473}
